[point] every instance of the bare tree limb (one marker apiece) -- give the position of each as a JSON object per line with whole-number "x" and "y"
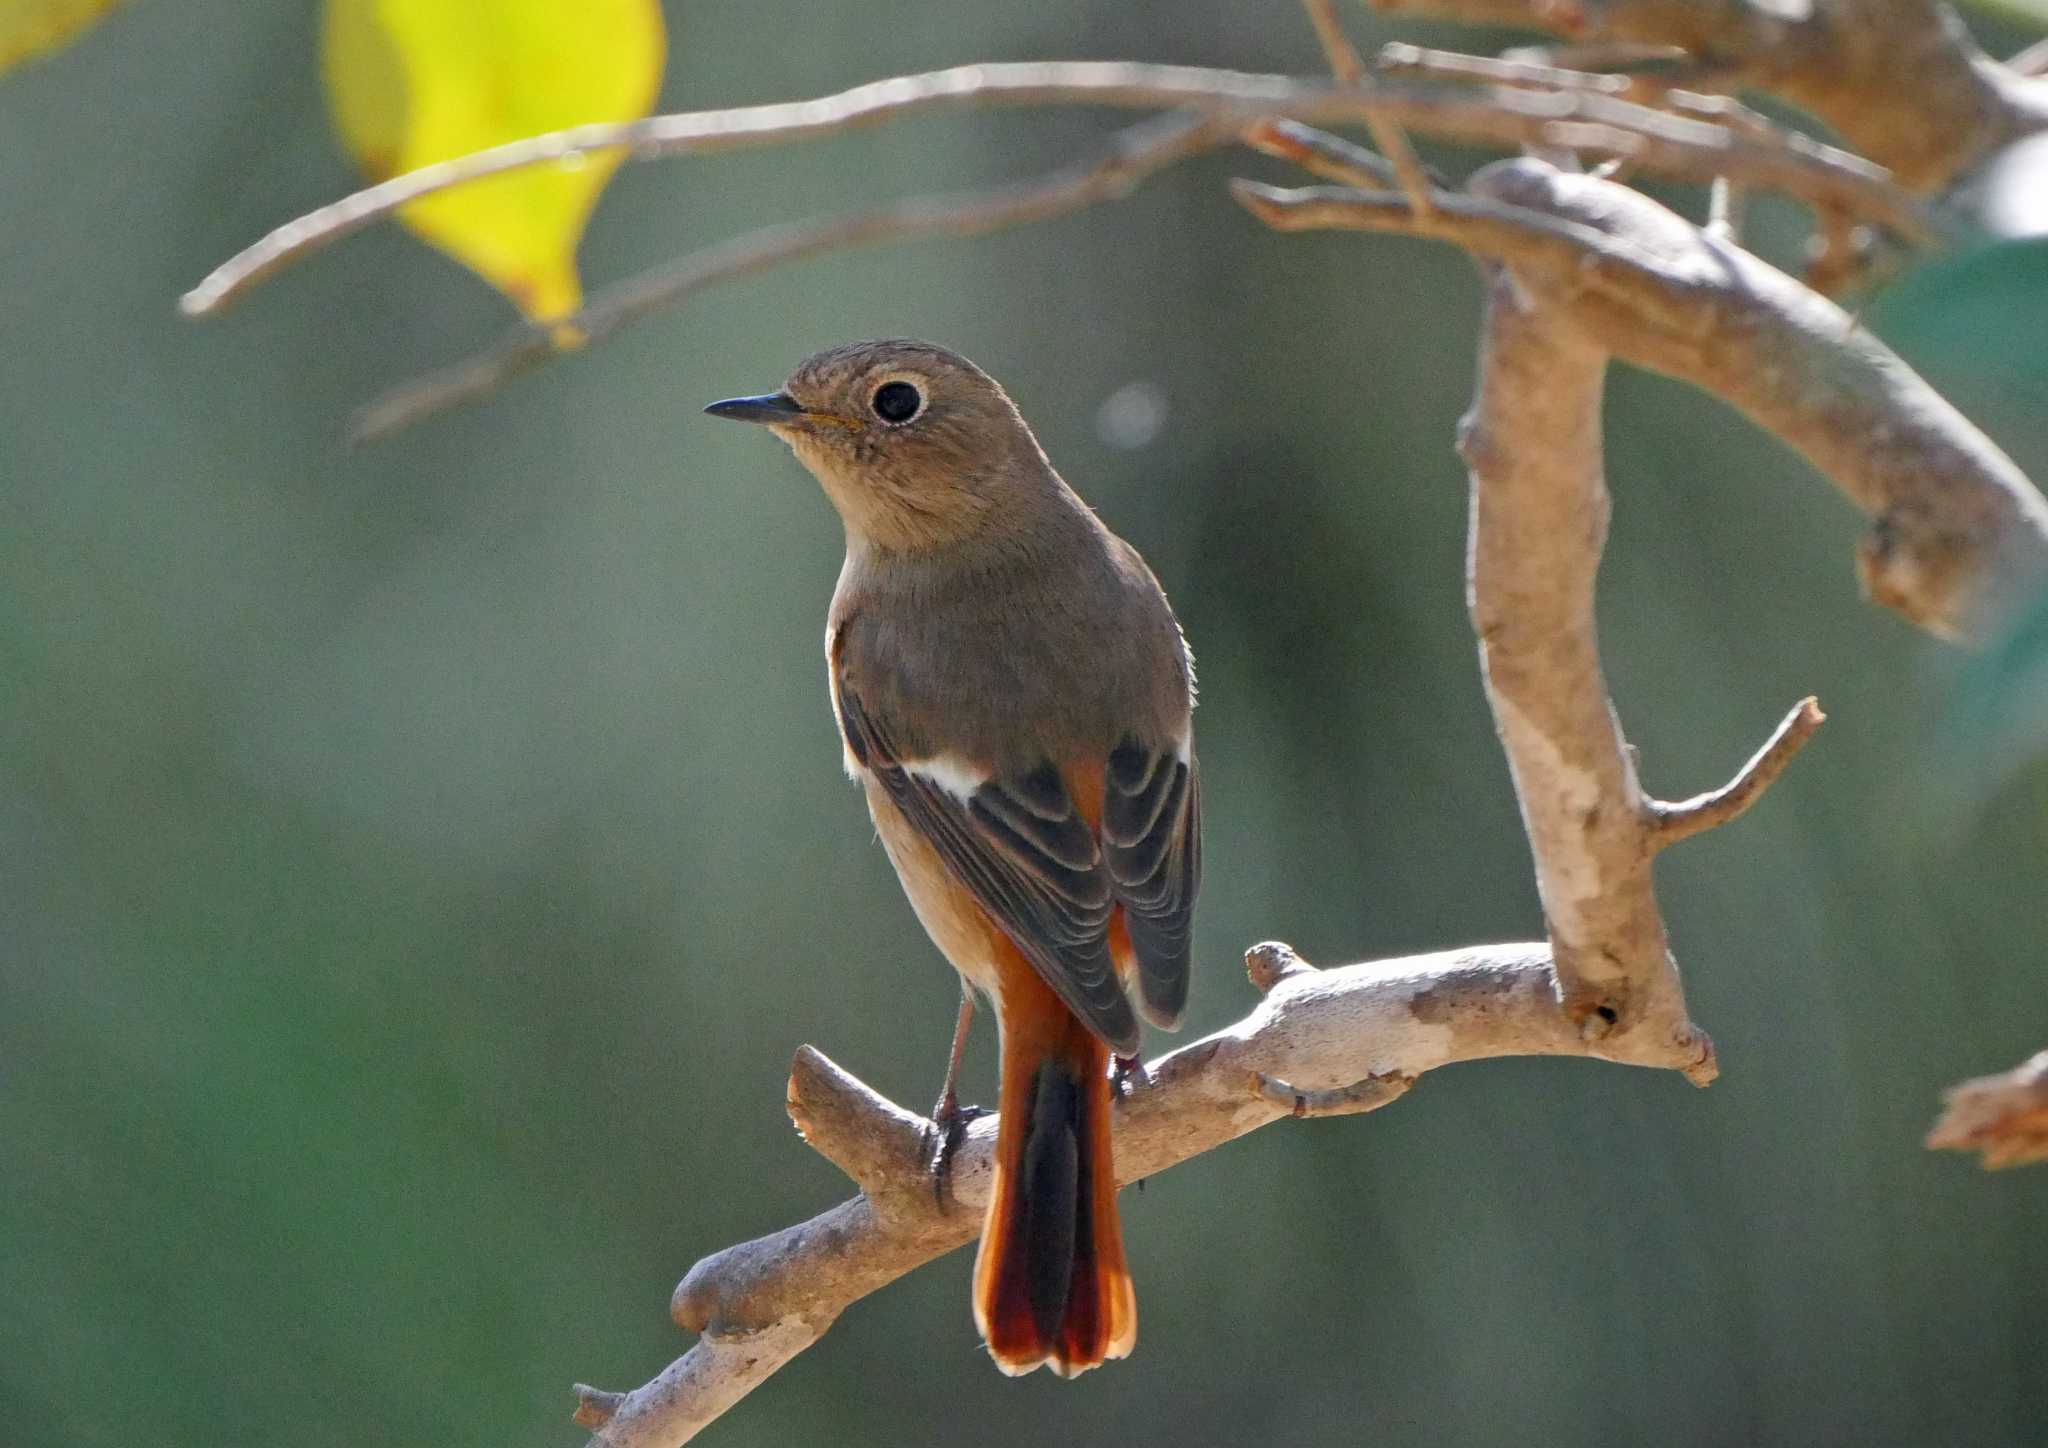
{"x": 1670, "y": 145}
{"x": 2004, "y": 1116}
{"x": 1539, "y": 526}
{"x": 1849, "y": 62}
{"x": 1131, "y": 155}
{"x": 1958, "y": 532}
{"x": 1345, "y": 1040}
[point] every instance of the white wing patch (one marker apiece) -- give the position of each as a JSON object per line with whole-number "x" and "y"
{"x": 954, "y": 775}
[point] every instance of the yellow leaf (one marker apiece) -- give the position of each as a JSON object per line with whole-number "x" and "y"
{"x": 365, "y": 85}
{"x": 412, "y": 82}
{"x": 30, "y": 27}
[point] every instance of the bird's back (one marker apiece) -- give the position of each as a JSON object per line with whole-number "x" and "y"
{"x": 1058, "y": 648}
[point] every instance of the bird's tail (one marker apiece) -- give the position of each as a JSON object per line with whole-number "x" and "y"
{"x": 1050, "y": 1284}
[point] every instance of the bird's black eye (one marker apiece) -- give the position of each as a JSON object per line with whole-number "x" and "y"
{"x": 896, "y": 401}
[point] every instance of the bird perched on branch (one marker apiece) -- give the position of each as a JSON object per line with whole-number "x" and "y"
{"x": 1015, "y": 697}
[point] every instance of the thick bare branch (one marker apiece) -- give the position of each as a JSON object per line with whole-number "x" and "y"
{"x": 1670, "y": 145}
{"x": 1847, "y": 61}
{"x": 1958, "y": 531}
{"x": 1539, "y": 525}
{"x": 1343, "y": 1040}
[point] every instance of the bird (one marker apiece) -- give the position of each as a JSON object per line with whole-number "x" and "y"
{"x": 1015, "y": 697}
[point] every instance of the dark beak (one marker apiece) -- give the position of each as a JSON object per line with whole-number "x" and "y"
{"x": 770, "y": 408}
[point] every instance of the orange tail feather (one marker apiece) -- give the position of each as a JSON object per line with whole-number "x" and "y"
{"x": 1050, "y": 1283}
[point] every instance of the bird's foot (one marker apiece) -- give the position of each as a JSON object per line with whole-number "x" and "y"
{"x": 948, "y": 1129}
{"x": 1127, "y": 1074}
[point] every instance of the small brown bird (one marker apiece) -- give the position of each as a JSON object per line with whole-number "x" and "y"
{"x": 1015, "y": 697}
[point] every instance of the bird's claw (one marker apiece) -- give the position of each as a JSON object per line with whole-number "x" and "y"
{"x": 1126, "y": 1074}
{"x": 949, "y": 1122}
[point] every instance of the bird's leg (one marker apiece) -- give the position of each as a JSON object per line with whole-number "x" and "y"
{"x": 949, "y": 1117}
{"x": 1126, "y": 1074}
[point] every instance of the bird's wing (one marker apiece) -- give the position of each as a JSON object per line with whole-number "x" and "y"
{"x": 1152, "y": 847}
{"x": 1022, "y": 849}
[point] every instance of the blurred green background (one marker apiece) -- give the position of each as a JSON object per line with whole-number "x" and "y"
{"x": 420, "y": 863}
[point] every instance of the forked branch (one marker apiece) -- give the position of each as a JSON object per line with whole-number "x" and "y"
{"x": 1900, "y": 79}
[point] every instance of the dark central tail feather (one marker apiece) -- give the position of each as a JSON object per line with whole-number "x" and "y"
{"x": 1050, "y": 1285}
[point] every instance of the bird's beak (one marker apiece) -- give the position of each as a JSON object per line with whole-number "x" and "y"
{"x": 769, "y": 408}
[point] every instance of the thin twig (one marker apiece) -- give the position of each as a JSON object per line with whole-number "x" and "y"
{"x": 1624, "y": 59}
{"x": 1727, "y": 111}
{"x": 1726, "y": 203}
{"x": 1132, "y": 155}
{"x": 1683, "y": 819}
{"x": 1671, "y": 145}
{"x": 1387, "y": 134}
{"x": 1319, "y": 152}
{"x": 1399, "y": 57}
{"x": 1345, "y": 62}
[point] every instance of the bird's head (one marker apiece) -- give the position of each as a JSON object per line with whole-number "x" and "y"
{"x": 914, "y": 444}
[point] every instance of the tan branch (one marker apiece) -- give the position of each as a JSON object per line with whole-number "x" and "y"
{"x": 1957, "y": 531}
{"x": 1685, "y": 818}
{"x": 1670, "y": 145}
{"x": 1899, "y": 79}
{"x": 2004, "y": 1116}
{"x": 1344, "y": 61}
{"x": 1320, "y": 1042}
{"x": 1349, "y": 69}
{"x": 1539, "y": 510}
{"x": 1132, "y": 155}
